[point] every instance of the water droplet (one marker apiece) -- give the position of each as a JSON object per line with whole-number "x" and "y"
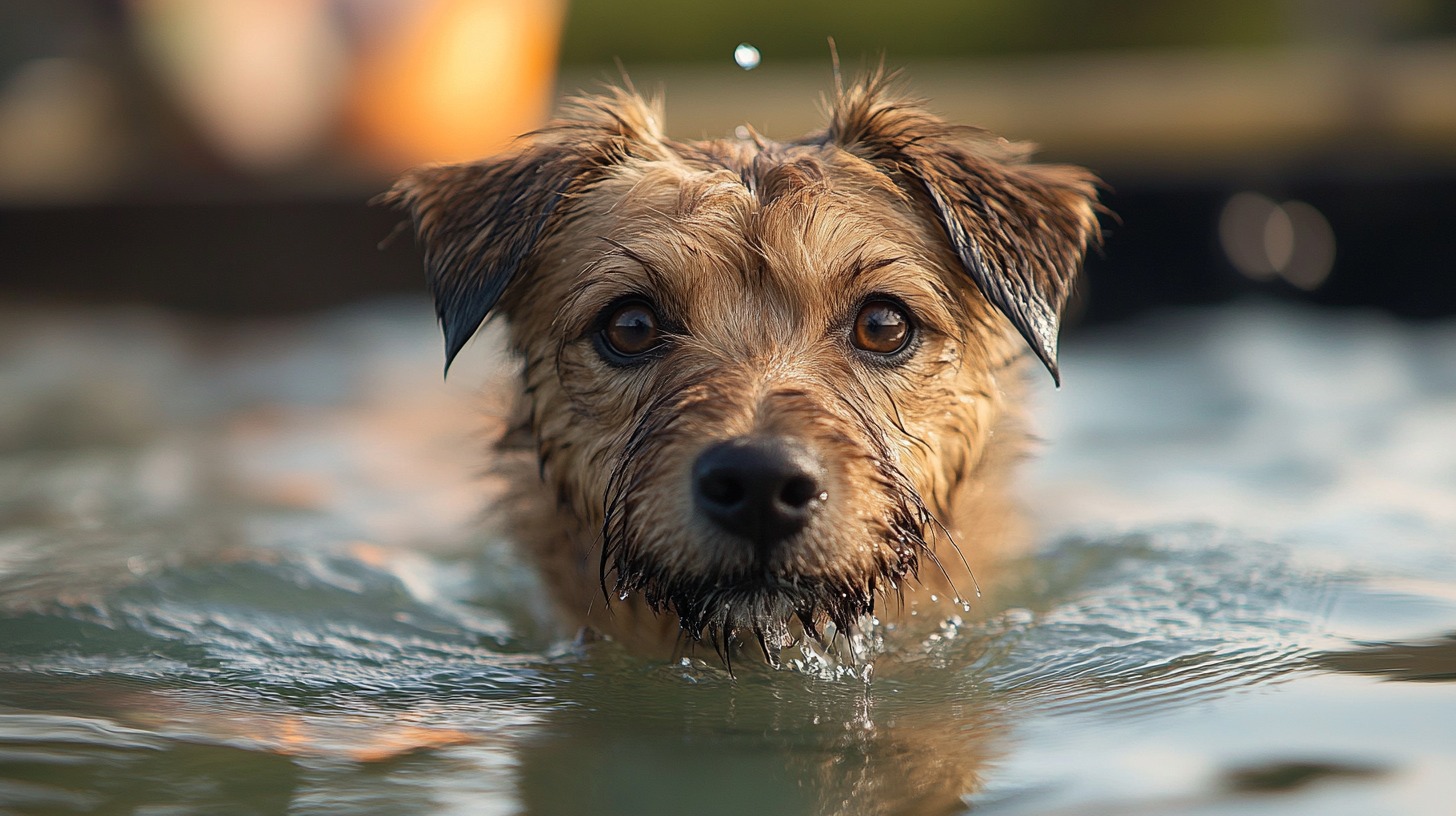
{"x": 742, "y": 133}
{"x": 746, "y": 56}
{"x": 933, "y": 598}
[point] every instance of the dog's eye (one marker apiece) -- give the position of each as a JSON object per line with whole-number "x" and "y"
{"x": 630, "y": 330}
{"x": 882, "y": 327}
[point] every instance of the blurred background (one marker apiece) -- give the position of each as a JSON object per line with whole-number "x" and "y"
{"x": 216, "y": 157}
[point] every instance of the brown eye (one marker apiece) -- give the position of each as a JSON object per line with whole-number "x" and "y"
{"x": 630, "y": 330}
{"x": 882, "y": 327}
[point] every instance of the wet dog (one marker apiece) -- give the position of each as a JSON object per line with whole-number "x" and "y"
{"x": 770, "y": 386}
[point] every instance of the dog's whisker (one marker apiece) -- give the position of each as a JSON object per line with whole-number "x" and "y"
{"x": 955, "y": 545}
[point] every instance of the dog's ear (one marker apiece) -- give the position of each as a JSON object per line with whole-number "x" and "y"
{"x": 481, "y": 223}
{"x": 478, "y": 225}
{"x": 1020, "y": 230}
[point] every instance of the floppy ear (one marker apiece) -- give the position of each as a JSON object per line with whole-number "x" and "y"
{"x": 481, "y": 223}
{"x": 478, "y": 224}
{"x": 1020, "y": 230}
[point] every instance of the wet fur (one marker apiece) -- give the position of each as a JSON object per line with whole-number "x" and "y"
{"x": 757, "y": 255}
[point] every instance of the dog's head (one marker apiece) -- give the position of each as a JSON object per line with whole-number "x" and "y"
{"x": 760, "y": 372}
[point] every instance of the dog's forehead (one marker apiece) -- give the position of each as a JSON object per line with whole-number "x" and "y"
{"x": 780, "y": 230}
{"x": 759, "y": 191}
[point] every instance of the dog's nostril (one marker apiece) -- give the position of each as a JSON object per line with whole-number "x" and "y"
{"x": 721, "y": 487}
{"x": 799, "y": 491}
{"x": 760, "y": 488}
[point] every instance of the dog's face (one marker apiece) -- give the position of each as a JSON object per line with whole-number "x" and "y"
{"x": 758, "y": 373}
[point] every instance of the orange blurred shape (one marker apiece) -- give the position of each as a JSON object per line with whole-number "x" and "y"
{"x": 457, "y": 80}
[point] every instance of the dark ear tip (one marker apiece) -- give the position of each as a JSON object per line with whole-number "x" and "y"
{"x": 1049, "y": 360}
{"x": 454, "y": 342}
{"x": 1040, "y": 333}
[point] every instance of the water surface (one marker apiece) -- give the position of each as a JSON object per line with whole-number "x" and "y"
{"x": 243, "y": 570}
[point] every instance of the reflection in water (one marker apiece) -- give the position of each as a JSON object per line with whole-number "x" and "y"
{"x": 788, "y": 745}
{"x": 1279, "y": 777}
{"x": 1428, "y": 662}
{"x": 240, "y": 571}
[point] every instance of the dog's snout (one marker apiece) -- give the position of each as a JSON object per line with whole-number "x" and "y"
{"x": 760, "y": 488}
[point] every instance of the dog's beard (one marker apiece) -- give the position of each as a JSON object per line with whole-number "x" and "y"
{"x": 729, "y": 607}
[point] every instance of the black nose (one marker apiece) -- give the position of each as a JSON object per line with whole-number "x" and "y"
{"x": 761, "y": 488}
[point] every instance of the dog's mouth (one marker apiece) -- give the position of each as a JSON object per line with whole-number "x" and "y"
{"x": 773, "y": 612}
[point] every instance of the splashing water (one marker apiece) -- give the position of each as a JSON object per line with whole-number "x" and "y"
{"x": 746, "y": 56}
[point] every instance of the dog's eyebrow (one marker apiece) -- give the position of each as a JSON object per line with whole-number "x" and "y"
{"x": 654, "y": 272}
{"x": 859, "y": 266}
{"x": 633, "y": 254}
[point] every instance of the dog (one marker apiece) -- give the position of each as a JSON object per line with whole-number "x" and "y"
{"x": 773, "y": 388}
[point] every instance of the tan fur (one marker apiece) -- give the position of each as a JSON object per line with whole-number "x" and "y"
{"x": 759, "y": 254}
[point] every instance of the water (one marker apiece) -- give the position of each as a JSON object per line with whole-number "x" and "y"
{"x": 241, "y": 571}
{"x": 746, "y": 56}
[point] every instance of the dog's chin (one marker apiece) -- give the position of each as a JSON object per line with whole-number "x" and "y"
{"x": 772, "y": 611}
